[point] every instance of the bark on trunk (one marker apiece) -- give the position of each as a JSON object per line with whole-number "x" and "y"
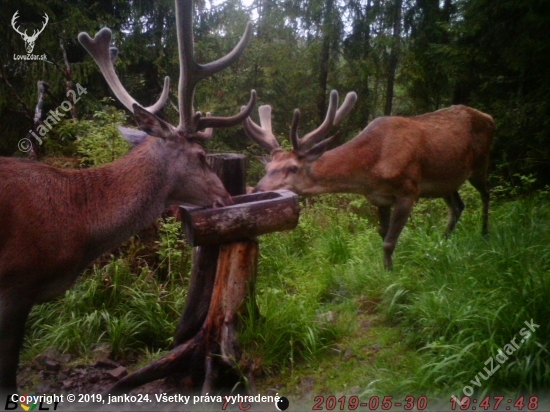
{"x": 34, "y": 137}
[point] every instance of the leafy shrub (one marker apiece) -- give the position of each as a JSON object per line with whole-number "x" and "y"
{"x": 98, "y": 141}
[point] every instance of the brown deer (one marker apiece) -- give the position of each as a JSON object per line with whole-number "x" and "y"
{"x": 393, "y": 162}
{"x": 54, "y": 222}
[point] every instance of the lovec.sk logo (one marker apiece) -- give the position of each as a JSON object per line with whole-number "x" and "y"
{"x": 28, "y": 39}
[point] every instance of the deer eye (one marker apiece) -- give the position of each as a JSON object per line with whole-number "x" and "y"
{"x": 292, "y": 169}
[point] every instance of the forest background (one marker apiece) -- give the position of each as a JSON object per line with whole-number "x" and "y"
{"x": 333, "y": 320}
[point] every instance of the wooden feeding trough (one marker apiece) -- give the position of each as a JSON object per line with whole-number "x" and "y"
{"x": 206, "y": 351}
{"x": 223, "y": 278}
{"x": 252, "y": 215}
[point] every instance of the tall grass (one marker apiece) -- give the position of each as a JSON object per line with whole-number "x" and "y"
{"x": 458, "y": 301}
{"x": 455, "y": 302}
{"x": 474, "y": 295}
{"x": 131, "y": 312}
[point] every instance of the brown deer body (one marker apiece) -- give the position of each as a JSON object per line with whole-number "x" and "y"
{"x": 54, "y": 222}
{"x": 392, "y": 162}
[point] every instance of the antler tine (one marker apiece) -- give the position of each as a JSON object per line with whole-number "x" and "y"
{"x": 214, "y": 121}
{"x": 227, "y": 60}
{"x": 14, "y": 22}
{"x": 346, "y": 107}
{"x": 322, "y": 131}
{"x": 263, "y": 135}
{"x": 207, "y": 134}
{"x": 191, "y": 72}
{"x": 104, "y": 56}
{"x": 35, "y": 33}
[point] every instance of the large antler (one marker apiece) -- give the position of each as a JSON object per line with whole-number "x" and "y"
{"x": 192, "y": 72}
{"x": 105, "y": 56}
{"x": 333, "y": 118}
{"x": 263, "y": 135}
{"x": 191, "y": 123}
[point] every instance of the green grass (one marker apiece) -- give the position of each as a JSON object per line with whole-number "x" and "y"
{"x": 133, "y": 313}
{"x": 333, "y": 321}
{"x": 450, "y": 304}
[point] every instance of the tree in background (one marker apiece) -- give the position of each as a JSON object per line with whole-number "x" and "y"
{"x": 400, "y": 56}
{"x": 428, "y": 68}
{"x": 505, "y": 58}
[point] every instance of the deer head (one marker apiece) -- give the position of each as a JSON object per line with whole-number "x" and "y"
{"x": 290, "y": 170}
{"x": 29, "y": 40}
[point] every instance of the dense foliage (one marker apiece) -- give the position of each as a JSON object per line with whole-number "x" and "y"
{"x": 401, "y": 56}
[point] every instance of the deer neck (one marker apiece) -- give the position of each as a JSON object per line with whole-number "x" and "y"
{"x": 334, "y": 172}
{"x": 125, "y": 196}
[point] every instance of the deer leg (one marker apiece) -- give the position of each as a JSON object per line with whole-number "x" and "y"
{"x": 399, "y": 217}
{"x": 14, "y": 310}
{"x": 456, "y": 206}
{"x": 481, "y": 183}
{"x": 384, "y": 214}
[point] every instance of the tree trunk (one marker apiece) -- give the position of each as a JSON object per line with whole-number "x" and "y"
{"x": 231, "y": 169}
{"x": 36, "y": 142}
{"x": 206, "y": 350}
{"x": 324, "y": 60}
{"x": 68, "y": 74}
{"x": 392, "y": 66}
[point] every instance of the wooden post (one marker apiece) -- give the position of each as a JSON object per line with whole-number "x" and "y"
{"x": 231, "y": 169}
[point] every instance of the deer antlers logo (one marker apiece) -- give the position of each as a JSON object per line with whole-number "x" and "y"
{"x": 29, "y": 40}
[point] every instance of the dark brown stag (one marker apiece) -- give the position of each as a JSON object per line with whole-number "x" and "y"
{"x": 54, "y": 223}
{"x": 393, "y": 162}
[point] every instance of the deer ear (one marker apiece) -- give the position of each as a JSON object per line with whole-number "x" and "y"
{"x": 264, "y": 159}
{"x": 153, "y": 125}
{"x": 316, "y": 151}
{"x": 133, "y": 136}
